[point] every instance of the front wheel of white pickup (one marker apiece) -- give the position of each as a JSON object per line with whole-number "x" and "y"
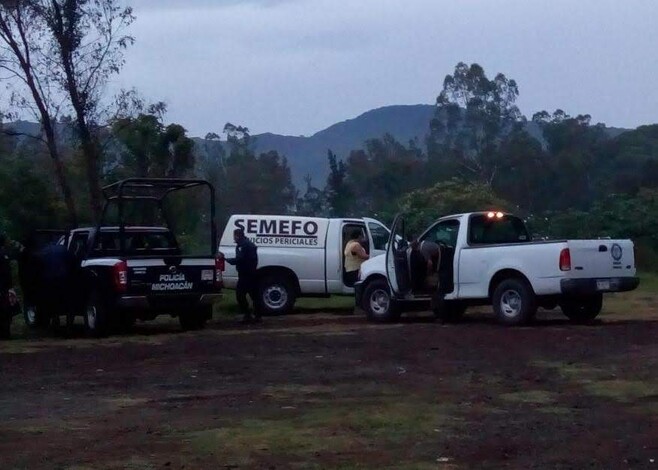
{"x": 378, "y": 302}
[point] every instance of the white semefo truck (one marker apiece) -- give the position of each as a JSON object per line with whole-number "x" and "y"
{"x": 488, "y": 258}
{"x": 299, "y": 256}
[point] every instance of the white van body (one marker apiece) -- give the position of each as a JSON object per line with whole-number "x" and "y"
{"x": 299, "y": 256}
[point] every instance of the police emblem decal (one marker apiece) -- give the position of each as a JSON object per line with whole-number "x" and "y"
{"x": 616, "y": 252}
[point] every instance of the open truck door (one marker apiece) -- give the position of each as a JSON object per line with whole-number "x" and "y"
{"x": 397, "y": 265}
{"x": 378, "y": 236}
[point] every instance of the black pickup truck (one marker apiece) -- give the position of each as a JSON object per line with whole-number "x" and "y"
{"x": 128, "y": 272}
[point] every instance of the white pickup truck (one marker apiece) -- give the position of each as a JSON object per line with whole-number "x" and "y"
{"x": 488, "y": 258}
{"x": 299, "y": 256}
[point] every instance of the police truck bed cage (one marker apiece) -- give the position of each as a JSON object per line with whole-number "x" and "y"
{"x": 153, "y": 189}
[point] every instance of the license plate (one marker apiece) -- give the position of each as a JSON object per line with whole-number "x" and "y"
{"x": 207, "y": 275}
{"x": 602, "y": 285}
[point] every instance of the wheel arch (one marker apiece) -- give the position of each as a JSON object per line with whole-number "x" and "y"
{"x": 280, "y": 271}
{"x": 504, "y": 274}
{"x": 374, "y": 277}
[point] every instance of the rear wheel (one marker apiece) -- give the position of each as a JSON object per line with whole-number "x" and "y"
{"x": 34, "y": 318}
{"x": 514, "y": 302}
{"x": 277, "y": 295}
{"x": 582, "y": 310}
{"x": 97, "y": 315}
{"x": 378, "y": 302}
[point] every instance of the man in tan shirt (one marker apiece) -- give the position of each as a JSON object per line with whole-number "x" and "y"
{"x": 355, "y": 255}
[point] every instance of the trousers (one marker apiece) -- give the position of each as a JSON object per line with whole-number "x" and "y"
{"x": 247, "y": 286}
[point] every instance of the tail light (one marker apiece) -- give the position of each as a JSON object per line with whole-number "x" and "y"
{"x": 565, "y": 260}
{"x": 120, "y": 276}
{"x": 220, "y": 266}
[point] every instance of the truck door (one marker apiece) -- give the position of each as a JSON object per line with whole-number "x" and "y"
{"x": 377, "y": 236}
{"x": 397, "y": 265}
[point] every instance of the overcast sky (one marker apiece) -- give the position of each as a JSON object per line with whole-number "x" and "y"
{"x": 297, "y": 66}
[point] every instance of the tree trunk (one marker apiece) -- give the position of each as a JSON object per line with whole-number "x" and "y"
{"x": 92, "y": 160}
{"x": 60, "y": 174}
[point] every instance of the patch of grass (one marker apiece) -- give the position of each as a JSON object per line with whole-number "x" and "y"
{"x": 125, "y": 402}
{"x": 572, "y": 372}
{"x": 229, "y": 306}
{"x": 331, "y": 430}
{"x": 538, "y": 397}
{"x": 642, "y": 394}
{"x": 625, "y": 391}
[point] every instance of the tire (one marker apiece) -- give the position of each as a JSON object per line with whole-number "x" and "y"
{"x": 97, "y": 316}
{"x": 582, "y": 310}
{"x": 448, "y": 311}
{"x": 33, "y": 318}
{"x": 514, "y": 302}
{"x": 378, "y": 303}
{"x": 276, "y": 295}
{"x": 195, "y": 319}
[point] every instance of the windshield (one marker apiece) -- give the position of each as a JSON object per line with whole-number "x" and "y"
{"x": 487, "y": 230}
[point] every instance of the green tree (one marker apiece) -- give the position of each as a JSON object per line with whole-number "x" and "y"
{"x": 24, "y": 59}
{"x": 577, "y": 172}
{"x": 152, "y": 149}
{"x": 454, "y": 196}
{"x": 473, "y": 117}
{"x": 85, "y": 41}
{"x": 338, "y": 193}
{"x": 314, "y": 201}
{"x": 382, "y": 173}
{"x": 255, "y": 184}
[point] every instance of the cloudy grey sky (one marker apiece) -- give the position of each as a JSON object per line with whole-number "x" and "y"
{"x": 296, "y": 66}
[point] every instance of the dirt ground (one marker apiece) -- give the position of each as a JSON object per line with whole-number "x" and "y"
{"x": 333, "y": 391}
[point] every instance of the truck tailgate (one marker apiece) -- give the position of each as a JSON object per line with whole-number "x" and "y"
{"x": 601, "y": 258}
{"x": 157, "y": 276}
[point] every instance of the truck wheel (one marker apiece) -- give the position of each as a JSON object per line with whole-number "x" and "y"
{"x": 582, "y": 310}
{"x": 378, "y": 303}
{"x": 97, "y": 315}
{"x": 34, "y": 318}
{"x": 276, "y": 294}
{"x": 196, "y": 318}
{"x": 514, "y": 302}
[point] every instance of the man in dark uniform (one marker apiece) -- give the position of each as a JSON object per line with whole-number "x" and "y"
{"x": 7, "y": 295}
{"x": 246, "y": 263}
{"x": 57, "y": 268}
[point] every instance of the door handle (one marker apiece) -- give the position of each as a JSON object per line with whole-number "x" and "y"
{"x": 603, "y": 248}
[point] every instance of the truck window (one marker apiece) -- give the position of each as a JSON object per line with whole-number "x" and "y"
{"x": 380, "y": 236}
{"x": 486, "y": 230}
{"x": 445, "y": 233}
{"x": 78, "y": 244}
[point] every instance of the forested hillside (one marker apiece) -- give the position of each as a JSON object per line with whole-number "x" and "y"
{"x": 473, "y": 149}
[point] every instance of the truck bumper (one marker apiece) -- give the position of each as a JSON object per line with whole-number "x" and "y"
{"x": 144, "y": 302}
{"x": 579, "y": 287}
{"x": 358, "y": 294}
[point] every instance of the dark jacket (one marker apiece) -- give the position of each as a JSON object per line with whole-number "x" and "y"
{"x": 246, "y": 257}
